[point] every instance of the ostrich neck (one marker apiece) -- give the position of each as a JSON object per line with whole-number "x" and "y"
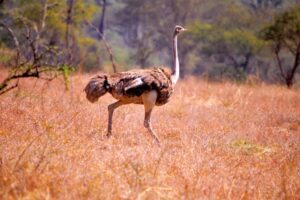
{"x": 175, "y": 69}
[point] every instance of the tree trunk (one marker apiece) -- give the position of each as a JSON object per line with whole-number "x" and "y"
{"x": 68, "y": 27}
{"x": 291, "y": 75}
{"x": 245, "y": 64}
{"x": 101, "y": 25}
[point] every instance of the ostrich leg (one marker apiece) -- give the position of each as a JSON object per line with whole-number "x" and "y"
{"x": 111, "y": 109}
{"x": 149, "y": 100}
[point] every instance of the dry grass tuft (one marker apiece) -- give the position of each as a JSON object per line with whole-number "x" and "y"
{"x": 219, "y": 141}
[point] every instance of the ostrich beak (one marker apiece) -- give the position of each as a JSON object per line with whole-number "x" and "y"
{"x": 184, "y": 29}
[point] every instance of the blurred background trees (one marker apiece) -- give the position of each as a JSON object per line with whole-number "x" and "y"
{"x": 228, "y": 39}
{"x": 284, "y": 36}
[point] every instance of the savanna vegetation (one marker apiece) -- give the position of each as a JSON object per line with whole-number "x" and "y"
{"x": 218, "y": 141}
{"x": 230, "y": 131}
{"x": 227, "y": 40}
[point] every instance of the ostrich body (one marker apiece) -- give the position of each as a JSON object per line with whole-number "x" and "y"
{"x": 149, "y": 87}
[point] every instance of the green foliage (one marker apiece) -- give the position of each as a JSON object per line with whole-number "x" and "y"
{"x": 284, "y": 34}
{"x": 249, "y": 148}
{"x": 2, "y": 86}
{"x": 222, "y": 39}
{"x": 286, "y": 27}
{"x": 231, "y": 47}
{"x": 7, "y": 56}
{"x": 66, "y": 71}
{"x": 215, "y": 39}
{"x": 84, "y": 9}
{"x": 221, "y": 72}
{"x": 262, "y": 4}
{"x": 30, "y": 9}
{"x": 242, "y": 41}
{"x": 54, "y": 32}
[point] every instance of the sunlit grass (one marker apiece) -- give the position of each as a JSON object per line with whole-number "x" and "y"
{"x": 250, "y": 148}
{"x": 219, "y": 141}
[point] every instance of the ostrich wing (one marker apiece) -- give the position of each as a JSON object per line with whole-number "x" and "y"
{"x": 136, "y": 82}
{"x": 138, "y": 85}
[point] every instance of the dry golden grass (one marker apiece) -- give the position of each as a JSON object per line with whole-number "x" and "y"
{"x": 219, "y": 141}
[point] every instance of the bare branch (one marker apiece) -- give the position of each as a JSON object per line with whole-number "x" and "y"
{"x": 289, "y": 47}
{"x": 107, "y": 46}
{"x": 45, "y": 13}
{"x": 42, "y": 157}
{"x": 32, "y": 43}
{"x": 3, "y": 90}
{"x": 36, "y": 73}
{"x": 35, "y": 64}
{"x": 16, "y": 41}
{"x": 277, "y": 51}
{"x": 102, "y": 19}
{"x": 24, "y": 151}
{"x": 52, "y": 5}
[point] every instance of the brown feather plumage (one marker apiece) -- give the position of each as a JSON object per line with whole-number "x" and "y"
{"x": 158, "y": 79}
{"x": 150, "y": 79}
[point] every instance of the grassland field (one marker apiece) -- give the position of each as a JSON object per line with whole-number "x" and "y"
{"x": 218, "y": 141}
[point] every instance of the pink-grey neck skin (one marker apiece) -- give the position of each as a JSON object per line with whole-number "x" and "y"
{"x": 176, "y": 68}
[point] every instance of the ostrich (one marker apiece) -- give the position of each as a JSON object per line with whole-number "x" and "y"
{"x": 149, "y": 87}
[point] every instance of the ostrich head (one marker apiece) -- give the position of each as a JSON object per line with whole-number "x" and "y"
{"x": 178, "y": 30}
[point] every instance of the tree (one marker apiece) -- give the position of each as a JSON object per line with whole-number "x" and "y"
{"x": 135, "y": 24}
{"x": 284, "y": 36}
{"x": 69, "y": 21}
{"x": 234, "y": 48}
{"x": 35, "y": 29}
{"x": 34, "y": 56}
{"x": 146, "y": 26}
{"x": 262, "y": 4}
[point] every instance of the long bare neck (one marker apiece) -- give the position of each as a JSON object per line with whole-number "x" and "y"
{"x": 175, "y": 69}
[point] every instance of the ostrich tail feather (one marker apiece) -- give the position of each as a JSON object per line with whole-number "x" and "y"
{"x": 96, "y": 87}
